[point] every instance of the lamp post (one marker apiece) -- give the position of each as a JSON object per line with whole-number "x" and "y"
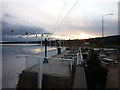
{"x": 103, "y": 28}
{"x": 40, "y": 66}
{"x": 47, "y": 35}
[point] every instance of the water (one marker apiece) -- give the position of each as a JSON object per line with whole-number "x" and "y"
{"x": 13, "y": 62}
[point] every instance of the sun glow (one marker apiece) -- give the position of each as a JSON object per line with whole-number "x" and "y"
{"x": 77, "y": 36}
{"x": 74, "y": 35}
{"x": 85, "y": 36}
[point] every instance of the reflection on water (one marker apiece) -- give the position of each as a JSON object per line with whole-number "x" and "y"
{"x": 35, "y": 50}
{"x": 13, "y": 61}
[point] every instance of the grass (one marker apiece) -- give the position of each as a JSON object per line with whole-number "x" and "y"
{"x": 113, "y": 46}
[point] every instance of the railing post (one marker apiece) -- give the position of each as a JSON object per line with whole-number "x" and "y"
{"x": 26, "y": 50}
{"x": 81, "y": 57}
{"x": 78, "y": 58}
{"x": 40, "y": 72}
{"x": 72, "y": 60}
{"x": 71, "y": 65}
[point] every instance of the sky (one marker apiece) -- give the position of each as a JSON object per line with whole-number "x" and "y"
{"x": 65, "y": 19}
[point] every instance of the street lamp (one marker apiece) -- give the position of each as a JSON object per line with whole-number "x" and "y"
{"x": 103, "y": 28}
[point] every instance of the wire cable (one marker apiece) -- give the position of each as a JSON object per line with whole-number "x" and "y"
{"x": 60, "y": 15}
{"x": 66, "y": 16}
{"x": 73, "y": 11}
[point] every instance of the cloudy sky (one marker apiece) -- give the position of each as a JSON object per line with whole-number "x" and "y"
{"x": 66, "y": 19}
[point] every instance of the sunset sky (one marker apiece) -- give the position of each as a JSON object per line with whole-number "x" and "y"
{"x": 76, "y": 21}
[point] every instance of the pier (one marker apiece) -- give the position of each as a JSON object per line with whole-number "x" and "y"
{"x": 60, "y": 72}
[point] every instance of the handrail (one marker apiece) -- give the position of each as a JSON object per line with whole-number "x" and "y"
{"x": 63, "y": 59}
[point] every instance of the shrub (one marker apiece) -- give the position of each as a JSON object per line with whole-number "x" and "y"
{"x": 96, "y": 75}
{"x": 93, "y": 60}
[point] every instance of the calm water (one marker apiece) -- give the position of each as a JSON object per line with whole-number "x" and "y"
{"x": 13, "y": 62}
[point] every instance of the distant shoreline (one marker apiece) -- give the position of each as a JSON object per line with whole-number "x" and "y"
{"x": 38, "y": 42}
{"x": 23, "y": 44}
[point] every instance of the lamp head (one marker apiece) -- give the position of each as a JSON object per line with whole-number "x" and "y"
{"x": 107, "y": 14}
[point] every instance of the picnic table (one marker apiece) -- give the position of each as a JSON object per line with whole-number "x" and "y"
{"x": 102, "y": 55}
{"x": 71, "y": 55}
{"x": 108, "y": 60}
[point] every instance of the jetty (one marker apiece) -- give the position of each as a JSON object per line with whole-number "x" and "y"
{"x": 61, "y": 71}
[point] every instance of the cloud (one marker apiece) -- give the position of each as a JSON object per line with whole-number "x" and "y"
{"x": 18, "y": 38}
{"x": 9, "y": 16}
{"x": 93, "y": 26}
{"x": 21, "y": 29}
{"x": 19, "y": 32}
{"x": 41, "y": 16}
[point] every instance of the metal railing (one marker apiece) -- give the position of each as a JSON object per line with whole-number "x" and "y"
{"x": 32, "y": 60}
{"x": 37, "y": 59}
{"x": 40, "y": 67}
{"x": 79, "y": 57}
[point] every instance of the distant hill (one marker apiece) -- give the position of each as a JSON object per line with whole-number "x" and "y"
{"x": 109, "y": 39}
{"x": 98, "y": 40}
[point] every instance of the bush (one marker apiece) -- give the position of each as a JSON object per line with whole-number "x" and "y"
{"x": 95, "y": 74}
{"x": 96, "y": 78}
{"x": 93, "y": 60}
